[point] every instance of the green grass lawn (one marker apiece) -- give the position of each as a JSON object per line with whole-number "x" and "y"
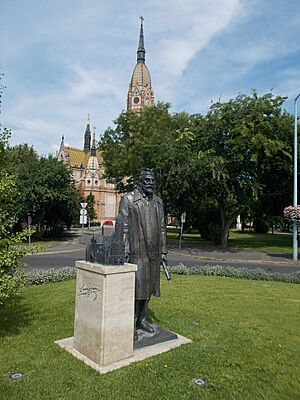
{"x": 274, "y": 244}
{"x": 267, "y": 243}
{"x": 245, "y": 334}
{"x": 38, "y": 246}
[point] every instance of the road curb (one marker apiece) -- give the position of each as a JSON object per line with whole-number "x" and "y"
{"x": 54, "y": 252}
{"x": 234, "y": 260}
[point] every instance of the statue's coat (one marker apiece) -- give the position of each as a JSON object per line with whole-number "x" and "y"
{"x": 145, "y": 239}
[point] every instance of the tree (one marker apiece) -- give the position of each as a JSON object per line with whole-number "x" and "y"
{"x": 236, "y": 153}
{"x": 213, "y": 167}
{"x": 91, "y": 213}
{"x": 11, "y": 278}
{"x": 154, "y": 139}
{"x": 45, "y": 190}
{"x": 59, "y": 201}
{"x": 136, "y": 142}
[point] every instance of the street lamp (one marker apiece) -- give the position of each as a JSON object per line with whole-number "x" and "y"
{"x": 295, "y": 223}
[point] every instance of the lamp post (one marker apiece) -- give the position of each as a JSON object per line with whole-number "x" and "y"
{"x": 295, "y": 223}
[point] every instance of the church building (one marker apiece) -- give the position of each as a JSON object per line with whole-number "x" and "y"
{"x": 87, "y": 171}
{"x": 86, "y": 165}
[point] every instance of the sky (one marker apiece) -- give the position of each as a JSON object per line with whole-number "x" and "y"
{"x": 65, "y": 59}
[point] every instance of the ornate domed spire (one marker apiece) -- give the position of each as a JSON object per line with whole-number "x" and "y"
{"x": 140, "y": 93}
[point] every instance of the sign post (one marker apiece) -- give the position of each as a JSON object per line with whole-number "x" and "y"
{"x": 83, "y": 216}
{"x": 182, "y": 219}
{"x": 29, "y": 222}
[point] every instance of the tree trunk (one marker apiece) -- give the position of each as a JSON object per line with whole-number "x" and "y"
{"x": 226, "y": 224}
{"x": 224, "y": 232}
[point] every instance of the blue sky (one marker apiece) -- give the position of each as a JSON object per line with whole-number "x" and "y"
{"x": 65, "y": 59}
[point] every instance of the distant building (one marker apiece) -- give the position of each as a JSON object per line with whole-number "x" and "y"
{"x": 87, "y": 171}
{"x": 86, "y": 165}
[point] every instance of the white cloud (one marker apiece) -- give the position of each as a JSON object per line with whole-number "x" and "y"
{"x": 93, "y": 81}
{"x": 67, "y": 59}
{"x": 193, "y": 25}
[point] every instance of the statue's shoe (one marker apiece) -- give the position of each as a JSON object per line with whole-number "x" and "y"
{"x": 146, "y": 326}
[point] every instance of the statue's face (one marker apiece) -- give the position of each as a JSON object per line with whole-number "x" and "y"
{"x": 147, "y": 183}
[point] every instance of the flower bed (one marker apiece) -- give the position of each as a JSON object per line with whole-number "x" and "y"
{"x": 292, "y": 213}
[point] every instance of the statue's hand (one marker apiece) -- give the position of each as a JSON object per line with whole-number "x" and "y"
{"x": 164, "y": 258}
{"x": 127, "y": 257}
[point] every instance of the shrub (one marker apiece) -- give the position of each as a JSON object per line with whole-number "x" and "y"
{"x": 38, "y": 277}
{"x": 215, "y": 233}
{"x": 11, "y": 279}
{"x": 232, "y": 272}
{"x": 261, "y": 226}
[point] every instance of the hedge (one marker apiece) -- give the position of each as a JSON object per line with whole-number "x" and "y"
{"x": 37, "y": 277}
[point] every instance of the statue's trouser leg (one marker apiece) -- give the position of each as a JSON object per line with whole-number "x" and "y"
{"x": 141, "y": 308}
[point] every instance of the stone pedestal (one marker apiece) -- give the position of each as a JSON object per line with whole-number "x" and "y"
{"x": 104, "y": 311}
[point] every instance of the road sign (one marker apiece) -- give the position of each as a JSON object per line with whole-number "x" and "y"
{"x": 29, "y": 220}
{"x": 83, "y": 205}
{"x": 83, "y": 212}
{"x": 183, "y": 217}
{"x": 83, "y": 219}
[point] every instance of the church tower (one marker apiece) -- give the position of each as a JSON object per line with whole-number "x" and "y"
{"x": 87, "y": 137}
{"x": 140, "y": 93}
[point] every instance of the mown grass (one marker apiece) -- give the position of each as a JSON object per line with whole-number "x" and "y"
{"x": 267, "y": 243}
{"x": 249, "y": 241}
{"x": 246, "y": 345}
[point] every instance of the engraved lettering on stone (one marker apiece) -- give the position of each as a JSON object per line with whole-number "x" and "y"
{"x": 89, "y": 292}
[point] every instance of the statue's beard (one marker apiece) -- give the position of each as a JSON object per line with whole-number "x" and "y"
{"x": 148, "y": 190}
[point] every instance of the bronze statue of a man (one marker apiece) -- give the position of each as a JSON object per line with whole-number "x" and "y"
{"x": 145, "y": 242}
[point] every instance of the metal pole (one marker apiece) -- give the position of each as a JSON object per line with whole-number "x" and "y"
{"x": 180, "y": 238}
{"x": 295, "y": 223}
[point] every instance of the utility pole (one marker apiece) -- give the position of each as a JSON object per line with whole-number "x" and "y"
{"x": 295, "y": 222}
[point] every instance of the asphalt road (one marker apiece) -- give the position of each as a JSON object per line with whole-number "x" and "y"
{"x": 68, "y": 258}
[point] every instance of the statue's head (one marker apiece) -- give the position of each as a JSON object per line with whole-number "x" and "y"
{"x": 147, "y": 181}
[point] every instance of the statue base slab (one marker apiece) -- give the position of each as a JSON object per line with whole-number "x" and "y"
{"x": 139, "y": 354}
{"x": 148, "y": 339}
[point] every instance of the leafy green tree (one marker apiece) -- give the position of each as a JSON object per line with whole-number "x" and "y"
{"x": 59, "y": 201}
{"x": 11, "y": 278}
{"x": 25, "y": 165}
{"x": 213, "y": 167}
{"x": 45, "y": 190}
{"x": 155, "y": 139}
{"x": 136, "y": 142}
{"x": 237, "y": 151}
{"x": 91, "y": 213}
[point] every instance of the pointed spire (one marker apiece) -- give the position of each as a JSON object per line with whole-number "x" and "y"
{"x": 141, "y": 49}
{"x": 87, "y": 136}
{"x": 93, "y": 148}
{"x": 62, "y": 140}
